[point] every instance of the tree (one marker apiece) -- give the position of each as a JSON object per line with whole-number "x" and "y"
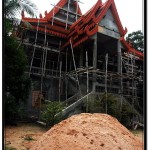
{"x": 14, "y": 7}
{"x": 136, "y": 39}
{"x": 17, "y": 84}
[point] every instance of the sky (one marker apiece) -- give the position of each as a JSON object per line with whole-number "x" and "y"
{"x": 130, "y": 11}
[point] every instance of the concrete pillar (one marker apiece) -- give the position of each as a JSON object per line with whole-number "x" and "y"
{"x": 94, "y": 59}
{"x": 70, "y": 66}
{"x": 95, "y": 51}
{"x": 119, "y": 56}
{"x": 81, "y": 57}
{"x": 119, "y": 63}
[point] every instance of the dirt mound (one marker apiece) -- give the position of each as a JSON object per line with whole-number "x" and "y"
{"x": 88, "y": 132}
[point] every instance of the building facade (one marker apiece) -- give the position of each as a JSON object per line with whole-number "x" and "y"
{"x": 71, "y": 54}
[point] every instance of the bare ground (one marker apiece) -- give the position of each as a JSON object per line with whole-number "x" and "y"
{"x": 24, "y": 136}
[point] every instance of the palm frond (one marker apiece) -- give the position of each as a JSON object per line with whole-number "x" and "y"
{"x": 29, "y": 7}
{"x": 11, "y": 8}
{"x": 14, "y": 8}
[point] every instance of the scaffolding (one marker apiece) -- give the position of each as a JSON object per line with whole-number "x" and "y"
{"x": 64, "y": 65}
{"x": 68, "y": 12}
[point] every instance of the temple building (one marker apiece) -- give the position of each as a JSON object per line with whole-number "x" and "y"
{"x": 72, "y": 55}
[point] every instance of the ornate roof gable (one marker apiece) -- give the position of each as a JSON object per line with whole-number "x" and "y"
{"x": 65, "y": 11}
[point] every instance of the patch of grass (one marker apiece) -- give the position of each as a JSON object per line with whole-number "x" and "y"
{"x": 136, "y": 131}
{"x": 10, "y": 148}
{"x": 28, "y": 138}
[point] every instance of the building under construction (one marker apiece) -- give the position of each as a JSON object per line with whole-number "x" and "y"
{"x": 71, "y": 55}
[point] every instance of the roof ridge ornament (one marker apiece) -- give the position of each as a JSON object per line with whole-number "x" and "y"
{"x": 22, "y": 14}
{"x": 45, "y": 13}
{"x": 40, "y": 15}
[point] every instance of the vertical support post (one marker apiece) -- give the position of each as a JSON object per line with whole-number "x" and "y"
{"x": 95, "y": 51}
{"x": 119, "y": 57}
{"x": 81, "y": 57}
{"x": 52, "y": 68}
{"x": 34, "y": 48}
{"x": 106, "y": 58}
{"x": 66, "y": 77}
{"x": 45, "y": 59}
{"x": 60, "y": 80}
{"x": 70, "y": 66}
{"x": 128, "y": 63}
{"x": 119, "y": 64}
{"x": 132, "y": 63}
{"x": 45, "y": 52}
{"x": 75, "y": 68}
{"x": 58, "y": 56}
{"x": 53, "y": 16}
{"x": 87, "y": 81}
{"x": 77, "y": 9}
{"x": 135, "y": 90}
{"x": 94, "y": 59}
{"x": 120, "y": 75}
{"x": 67, "y": 13}
{"x": 42, "y": 70}
{"x": 121, "y": 83}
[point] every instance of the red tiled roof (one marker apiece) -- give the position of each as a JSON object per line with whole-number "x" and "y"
{"x": 85, "y": 26}
{"x": 131, "y": 49}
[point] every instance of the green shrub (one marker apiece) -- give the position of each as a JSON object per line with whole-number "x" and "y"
{"x": 94, "y": 104}
{"x": 49, "y": 111}
{"x": 97, "y": 104}
{"x": 13, "y": 110}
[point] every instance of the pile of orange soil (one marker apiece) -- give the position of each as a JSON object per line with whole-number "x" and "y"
{"x": 88, "y": 132}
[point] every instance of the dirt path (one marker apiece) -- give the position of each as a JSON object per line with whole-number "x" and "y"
{"x": 22, "y": 136}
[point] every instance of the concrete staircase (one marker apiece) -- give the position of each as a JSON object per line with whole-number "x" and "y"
{"x": 73, "y": 104}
